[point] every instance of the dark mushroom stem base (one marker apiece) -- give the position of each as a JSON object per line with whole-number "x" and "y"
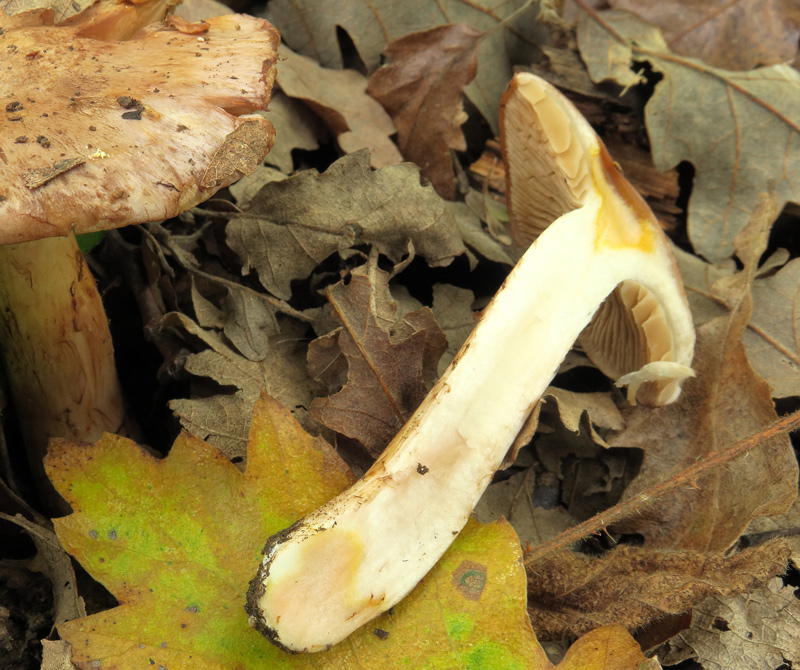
{"x": 57, "y": 348}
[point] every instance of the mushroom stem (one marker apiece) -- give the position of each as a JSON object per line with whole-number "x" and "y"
{"x": 56, "y": 346}
{"x": 365, "y": 550}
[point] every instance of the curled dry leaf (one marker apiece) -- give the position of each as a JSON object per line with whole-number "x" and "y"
{"x": 339, "y": 97}
{"x": 311, "y": 28}
{"x": 295, "y": 128}
{"x": 732, "y": 35}
{"x": 293, "y": 225}
{"x": 570, "y": 593}
{"x": 224, "y": 418}
{"x": 770, "y": 338}
{"x": 452, "y": 308}
{"x": 756, "y": 631}
{"x": 390, "y": 368}
{"x": 422, "y": 91}
{"x": 740, "y": 130}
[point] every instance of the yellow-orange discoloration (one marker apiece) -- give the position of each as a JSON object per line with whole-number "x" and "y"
{"x": 625, "y": 220}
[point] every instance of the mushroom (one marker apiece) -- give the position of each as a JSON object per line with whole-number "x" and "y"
{"x": 99, "y": 134}
{"x": 363, "y": 551}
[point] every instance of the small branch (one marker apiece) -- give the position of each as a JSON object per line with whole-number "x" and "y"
{"x": 686, "y": 477}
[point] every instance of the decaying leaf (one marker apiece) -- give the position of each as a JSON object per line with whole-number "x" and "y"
{"x": 341, "y": 100}
{"x": 570, "y": 593}
{"x": 737, "y": 35}
{"x": 452, "y": 307}
{"x": 782, "y": 525}
{"x": 248, "y": 187}
{"x": 578, "y": 412}
{"x": 295, "y": 128}
{"x": 739, "y": 129}
{"x": 223, "y": 419}
{"x": 756, "y": 631}
{"x": 56, "y": 655}
{"x": 478, "y": 238}
{"x": 391, "y": 362}
{"x": 177, "y": 540}
{"x": 310, "y": 29}
{"x": 607, "y": 648}
{"x": 55, "y": 563}
{"x": 771, "y": 335}
{"x": 727, "y": 400}
{"x": 422, "y": 91}
{"x": 293, "y": 225}
{"x": 512, "y": 499}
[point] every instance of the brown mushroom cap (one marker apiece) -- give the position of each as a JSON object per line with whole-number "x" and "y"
{"x": 101, "y": 134}
{"x": 555, "y": 163}
{"x": 102, "y": 19}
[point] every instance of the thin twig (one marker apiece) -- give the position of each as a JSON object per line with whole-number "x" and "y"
{"x": 687, "y": 477}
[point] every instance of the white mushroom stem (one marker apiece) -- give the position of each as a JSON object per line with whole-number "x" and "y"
{"x": 57, "y": 349}
{"x": 365, "y": 550}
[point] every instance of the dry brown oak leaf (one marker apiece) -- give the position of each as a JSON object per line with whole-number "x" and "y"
{"x": 771, "y": 335}
{"x": 740, "y": 130}
{"x": 223, "y": 418}
{"x": 312, "y": 28}
{"x": 755, "y": 631}
{"x": 725, "y": 401}
{"x": 422, "y": 89}
{"x": 293, "y": 225}
{"x": 738, "y": 35}
{"x": 391, "y": 360}
{"x": 340, "y": 98}
{"x": 569, "y": 593}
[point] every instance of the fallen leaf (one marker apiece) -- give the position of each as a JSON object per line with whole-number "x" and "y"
{"x": 771, "y": 335}
{"x": 571, "y": 446}
{"x": 179, "y": 551}
{"x": 56, "y": 655}
{"x": 390, "y": 368}
{"x": 756, "y": 631}
{"x": 248, "y": 187}
{"x": 607, "y": 648}
{"x": 293, "y": 225}
{"x": 452, "y": 308}
{"x": 781, "y": 525}
{"x": 422, "y": 91}
{"x": 726, "y": 401}
{"x": 311, "y": 29}
{"x": 339, "y": 97}
{"x": 512, "y": 499}
{"x": 477, "y": 237}
{"x": 570, "y": 594}
{"x": 582, "y": 412}
{"x": 738, "y": 35}
{"x": 224, "y": 419}
{"x": 739, "y": 129}
{"x": 52, "y": 560}
{"x": 295, "y": 128}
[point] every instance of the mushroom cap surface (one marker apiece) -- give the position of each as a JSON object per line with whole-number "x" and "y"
{"x": 555, "y": 163}
{"x": 100, "y": 134}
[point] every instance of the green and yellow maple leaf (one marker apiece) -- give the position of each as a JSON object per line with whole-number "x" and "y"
{"x": 177, "y": 540}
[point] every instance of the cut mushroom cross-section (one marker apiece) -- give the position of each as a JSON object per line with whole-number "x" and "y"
{"x": 365, "y": 550}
